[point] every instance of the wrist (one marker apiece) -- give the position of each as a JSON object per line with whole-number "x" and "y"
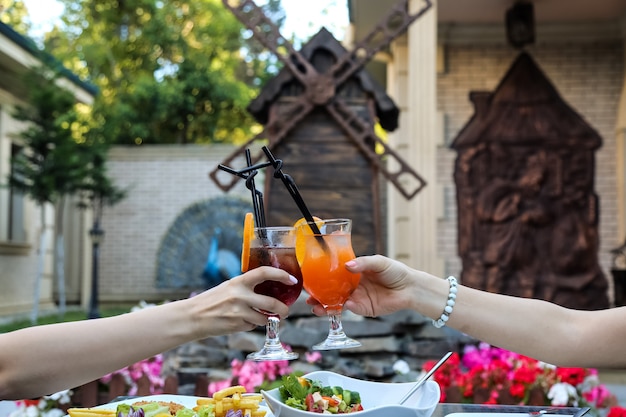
{"x": 430, "y": 294}
{"x": 450, "y": 302}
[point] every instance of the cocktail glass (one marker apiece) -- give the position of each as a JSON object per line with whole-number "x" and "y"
{"x": 322, "y": 257}
{"x": 275, "y": 246}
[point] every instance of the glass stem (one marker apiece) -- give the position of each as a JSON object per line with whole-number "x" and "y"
{"x": 336, "y": 328}
{"x": 271, "y": 331}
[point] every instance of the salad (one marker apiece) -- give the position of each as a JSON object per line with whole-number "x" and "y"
{"x": 308, "y": 395}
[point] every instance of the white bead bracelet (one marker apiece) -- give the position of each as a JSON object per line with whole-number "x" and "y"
{"x": 447, "y": 310}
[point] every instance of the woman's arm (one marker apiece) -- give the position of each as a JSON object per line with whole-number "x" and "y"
{"x": 532, "y": 327}
{"x": 44, "y": 359}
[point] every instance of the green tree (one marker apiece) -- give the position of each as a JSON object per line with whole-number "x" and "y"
{"x": 170, "y": 72}
{"x": 55, "y": 162}
{"x": 14, "y": 14}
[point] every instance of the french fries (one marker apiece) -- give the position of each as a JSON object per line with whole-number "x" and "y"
{"x": 90, "y": 412}
{"x": 233, "y": 398}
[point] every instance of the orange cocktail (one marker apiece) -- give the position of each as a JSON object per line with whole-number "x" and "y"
{"x": 325, "y": 277}
{"x": 322, "y": 257}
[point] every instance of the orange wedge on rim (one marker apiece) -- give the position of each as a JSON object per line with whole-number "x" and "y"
{"x": 248, "y": 235}
{"x": 301, "y": 232}
{"x": 302, "y": 221}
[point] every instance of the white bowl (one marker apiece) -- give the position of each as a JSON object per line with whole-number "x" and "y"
{"x": 378, "y": 398}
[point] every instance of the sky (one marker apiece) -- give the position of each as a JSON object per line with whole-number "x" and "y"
{"x": 304, "y": 18}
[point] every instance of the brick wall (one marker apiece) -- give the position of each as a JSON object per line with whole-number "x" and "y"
{"x": 588, "y": 76}
{"x": 162, "y": 181}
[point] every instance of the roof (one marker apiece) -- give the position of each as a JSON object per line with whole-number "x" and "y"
{"x": 28, "y": 45}
{"x": 525, "y": 109}
{"x": 386, "y": 110}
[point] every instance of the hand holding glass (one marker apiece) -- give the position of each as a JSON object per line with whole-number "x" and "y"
{"x": 275, "y": 246}
{"x": 322, "y": 259}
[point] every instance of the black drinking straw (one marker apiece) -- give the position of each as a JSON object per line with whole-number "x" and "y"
{"x": 257, "y": 196}
{"x": 293, "y": 190}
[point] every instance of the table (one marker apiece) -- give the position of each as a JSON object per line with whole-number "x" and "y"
{"x": 443, "y": 409}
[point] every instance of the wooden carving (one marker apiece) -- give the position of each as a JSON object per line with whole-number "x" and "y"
{"x": 528, "y": 214}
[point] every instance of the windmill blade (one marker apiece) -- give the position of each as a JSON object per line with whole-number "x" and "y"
{"x": 406, "y": 180}
{"x": 253, "y": 18}
{"x": 274, "y": 132}
{"x": 396, "y": 22}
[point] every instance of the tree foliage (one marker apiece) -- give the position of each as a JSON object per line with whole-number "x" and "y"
{"x": 49, "y": 167}
{"x": 14, "y": 14}
{"x": 57, "y": 159}
{"x": 169, "y": 72}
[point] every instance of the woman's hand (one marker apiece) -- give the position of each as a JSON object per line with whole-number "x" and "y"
{"x": 233, "y": 305}
{"x": 384, "y": 287}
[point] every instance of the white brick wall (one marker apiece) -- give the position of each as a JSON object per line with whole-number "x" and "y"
{"x": 162, "y": 181}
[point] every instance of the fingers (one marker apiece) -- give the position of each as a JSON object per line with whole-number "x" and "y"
{"x": 372, "y": 263}
{"x": 261, "y": 274}
{"x": 317, "y": 308}
{"x": 267, "y": 273}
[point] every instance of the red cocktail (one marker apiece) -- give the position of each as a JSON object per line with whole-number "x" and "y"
{"x": 278, "y": 257}
{"x": 276, "y": 247}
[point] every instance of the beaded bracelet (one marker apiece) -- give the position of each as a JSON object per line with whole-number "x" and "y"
{"x": 447, "y": 310}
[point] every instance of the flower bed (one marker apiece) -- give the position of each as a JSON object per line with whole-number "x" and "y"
{"x": 489, "y": 375}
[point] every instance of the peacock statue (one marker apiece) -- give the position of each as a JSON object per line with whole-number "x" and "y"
{"x": 202, "y": 247}
{"x": 221, "y": 264}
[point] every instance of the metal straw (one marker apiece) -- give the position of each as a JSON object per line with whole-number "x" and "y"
{"x": 423, "y": 379}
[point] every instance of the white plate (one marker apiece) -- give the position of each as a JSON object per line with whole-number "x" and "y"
{"x": 184, "y": 400}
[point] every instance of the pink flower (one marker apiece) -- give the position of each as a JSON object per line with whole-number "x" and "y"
{"x": 252, "y": 374}
{"x": 218, "y": 385}
{"x": 599, "y": 396}
{"x": 313, "y": 357}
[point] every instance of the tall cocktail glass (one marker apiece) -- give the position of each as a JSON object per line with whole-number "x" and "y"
{"x": 275, "y": 246}
{"x": 322, "y": 257}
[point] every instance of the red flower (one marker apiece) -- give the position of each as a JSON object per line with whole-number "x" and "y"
{"x": 492, "y": 375}
{"x": 517, "y": 390}
{"x": 525, "y": 375}
{"x": 572, "y": 376}
{"x": 617, "y": 412}
{"x": 28, "y": 403}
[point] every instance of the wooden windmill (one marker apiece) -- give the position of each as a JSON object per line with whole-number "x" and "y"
{"x": 319, "y": 116}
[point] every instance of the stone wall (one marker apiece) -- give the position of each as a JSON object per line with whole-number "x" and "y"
{"x": 403, "y": 335}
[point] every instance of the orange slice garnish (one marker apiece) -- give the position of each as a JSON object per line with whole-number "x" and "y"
{"x": 248, "y": 235}
{"x": 302, "y": 221}
{"x": 301, "y": 232}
